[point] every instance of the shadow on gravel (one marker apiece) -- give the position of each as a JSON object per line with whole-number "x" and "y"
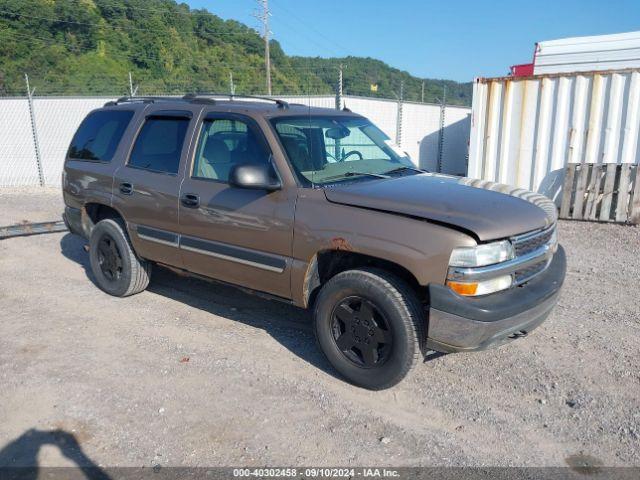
{"x": 288, "y": 325}
{"x": 72, "y": 247}
{"x": 19, "y": 458}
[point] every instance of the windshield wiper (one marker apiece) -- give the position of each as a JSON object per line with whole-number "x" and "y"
{"x": 403, "y": 168}
{"x": 357, "y": 174}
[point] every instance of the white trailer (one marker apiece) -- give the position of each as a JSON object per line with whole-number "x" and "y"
{"x": 585, "y": 54}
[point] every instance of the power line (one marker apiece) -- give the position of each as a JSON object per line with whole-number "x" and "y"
{"x": 308, "y": 25}
{"x": 107, "y": 25}
{"x": 303, "y": 32}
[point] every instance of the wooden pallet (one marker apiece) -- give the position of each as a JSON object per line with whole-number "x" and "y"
{"x": 608, "y": 192}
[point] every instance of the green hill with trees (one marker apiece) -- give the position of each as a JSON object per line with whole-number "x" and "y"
{"x": 88, "y": 47}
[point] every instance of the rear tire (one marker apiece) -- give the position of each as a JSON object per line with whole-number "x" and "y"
{"x": 116, "y": 268}
{"x": 370, "y": 326}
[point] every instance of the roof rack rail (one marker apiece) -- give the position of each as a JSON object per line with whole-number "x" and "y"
{"x": 137, "y": 99}
{"x": 149, "y": 99}
{"x": 194, "y": 96}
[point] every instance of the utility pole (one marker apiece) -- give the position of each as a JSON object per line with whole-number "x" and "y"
{"x": 337, "y": 147}
{"x": 34, "y": 131}
{"x": 263, "y": 16}
{"x": 422, "y": 97}
{"x": 339, "y": 89}
{"x": 232, "y": 87}
{"x": 132, "y": 91}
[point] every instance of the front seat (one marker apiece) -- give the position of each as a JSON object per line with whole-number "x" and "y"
{"x": 216, "y": 160}
{"x": 298, "y": 155}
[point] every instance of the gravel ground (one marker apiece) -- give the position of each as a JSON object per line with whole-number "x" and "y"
{"x": 30, "y": 204}
{"x": 194, "y": 374}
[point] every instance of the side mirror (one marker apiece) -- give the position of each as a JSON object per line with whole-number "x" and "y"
{"x": 254, "y": 176}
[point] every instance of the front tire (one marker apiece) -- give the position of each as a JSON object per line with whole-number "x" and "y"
{"x": 370, "y": 326}
{"x": 115, "y": 266}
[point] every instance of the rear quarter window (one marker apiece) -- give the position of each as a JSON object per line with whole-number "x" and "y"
{"x": 99, "y": 135}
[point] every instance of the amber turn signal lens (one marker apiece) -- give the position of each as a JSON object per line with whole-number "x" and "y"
{"x": 466, "y": 289}
{"x": 484, "y": 287}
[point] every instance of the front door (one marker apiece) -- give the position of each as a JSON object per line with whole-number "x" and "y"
{"x": 237, "y": 235}
{"x": 147, "y": 186}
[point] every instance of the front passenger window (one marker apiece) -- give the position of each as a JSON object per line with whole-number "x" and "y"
{"x": 224, "y": 143}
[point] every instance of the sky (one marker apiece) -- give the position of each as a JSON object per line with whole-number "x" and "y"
{"x": 456, "y": 40}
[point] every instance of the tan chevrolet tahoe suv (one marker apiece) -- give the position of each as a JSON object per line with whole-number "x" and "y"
{"x": 318, "y": 208}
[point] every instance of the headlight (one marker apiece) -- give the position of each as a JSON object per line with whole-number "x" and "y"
{"x": 483, "y": 287}
{"x": 482, "y": 255}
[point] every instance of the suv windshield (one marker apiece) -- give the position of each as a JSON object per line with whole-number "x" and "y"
{"x": 326, "y": 149}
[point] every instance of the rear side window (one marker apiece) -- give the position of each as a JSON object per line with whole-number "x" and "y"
{"x": 159, "y": 144}
{"x": 99, "y": 135}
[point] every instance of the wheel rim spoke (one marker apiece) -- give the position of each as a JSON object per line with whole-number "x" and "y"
{"x": 369, "y": 356}
{"x": 345, "y": 314}
{"x": 366, "y": 310}
{"x": 345, "y": 342}
{"x": 381, "y": 336}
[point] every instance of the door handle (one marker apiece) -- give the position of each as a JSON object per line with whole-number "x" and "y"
{"x": 126, "y": 188}
{"x": 190, "y": 200}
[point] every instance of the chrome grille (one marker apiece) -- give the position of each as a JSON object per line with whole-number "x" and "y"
{"x": 528, "y": 273}
{"x": 527, "y": 243}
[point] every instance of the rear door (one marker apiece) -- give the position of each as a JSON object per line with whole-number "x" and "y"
{"x": 238, "y": 235}
{"x": 147, "y": 186}
{"x": 94, "y": 154}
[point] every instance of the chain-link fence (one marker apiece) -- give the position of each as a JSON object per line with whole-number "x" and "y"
{"x": 18, "y": 165}
{"x": 34, "y": 136}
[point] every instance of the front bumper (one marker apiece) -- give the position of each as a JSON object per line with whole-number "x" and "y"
{"x": 460, "y": 324}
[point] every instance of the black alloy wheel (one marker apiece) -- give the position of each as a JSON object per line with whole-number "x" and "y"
{"x": 109, "y": 258}
{"x": 116, "y": 267}
{"x": 361, "y": 332}
{"x": 370, "y": 325}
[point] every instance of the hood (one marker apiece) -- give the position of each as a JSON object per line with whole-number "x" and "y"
{"x": 488, "y": 210}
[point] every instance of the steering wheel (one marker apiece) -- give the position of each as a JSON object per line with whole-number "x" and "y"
{"x": 329, "y": 155}
{"x": 352, "y": 152}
